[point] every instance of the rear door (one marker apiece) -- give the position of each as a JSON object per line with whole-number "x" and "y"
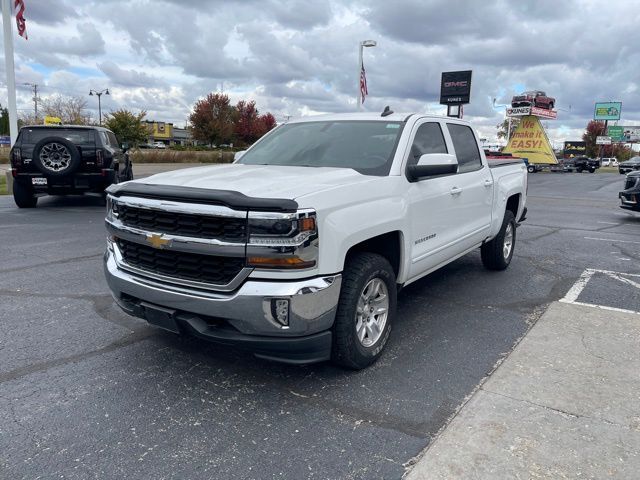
{"x": 474, "y": 184}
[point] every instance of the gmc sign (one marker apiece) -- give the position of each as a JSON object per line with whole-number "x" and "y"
{"x": 455, "y": 88}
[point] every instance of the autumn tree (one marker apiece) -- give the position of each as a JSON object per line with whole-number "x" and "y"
{"x": 129, "y": 127}
{"x": 212, "y": 119}
{"x": 71, "y": 110}
{"x": 503, "y": 127}
{"x": 268, "y": 122}
{"x": 248, "y": 126}
{"x": 593, "y": 130}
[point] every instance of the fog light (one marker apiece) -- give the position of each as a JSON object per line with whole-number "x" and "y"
{"x": 280, "y": 311}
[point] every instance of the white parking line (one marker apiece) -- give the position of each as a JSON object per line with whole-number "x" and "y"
{"x": 609, "y": 223}
{"x": 577, "y": 288}
{"x": 610, "y": 240}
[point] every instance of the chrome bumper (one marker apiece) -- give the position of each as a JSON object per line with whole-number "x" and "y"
{"x": 312, "y": 302}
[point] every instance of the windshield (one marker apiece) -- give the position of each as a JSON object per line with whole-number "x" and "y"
{"x": 365, "y": 146}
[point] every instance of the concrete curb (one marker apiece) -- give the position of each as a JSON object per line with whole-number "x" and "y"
{"x": 564, "y": 404}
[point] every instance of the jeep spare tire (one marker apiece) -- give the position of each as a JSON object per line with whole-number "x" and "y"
{"x": 56, "y": 156}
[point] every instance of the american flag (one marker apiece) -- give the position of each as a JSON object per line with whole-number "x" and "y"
{"x": 20, "y": 21}
{"x": 363, "y": 84}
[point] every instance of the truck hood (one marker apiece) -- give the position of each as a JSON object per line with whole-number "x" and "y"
{"x": 264, "y": 181}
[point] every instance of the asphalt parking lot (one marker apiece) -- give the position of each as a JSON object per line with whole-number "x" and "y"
{"x": 87, "y": 392}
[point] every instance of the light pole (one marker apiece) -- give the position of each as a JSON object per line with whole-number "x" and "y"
{"x": 364, "y": 43}
{"x": 99, "y": 94}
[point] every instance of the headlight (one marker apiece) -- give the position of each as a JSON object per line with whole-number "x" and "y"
{"x": 283, "y": 241}
{"x": 112, "y": 208}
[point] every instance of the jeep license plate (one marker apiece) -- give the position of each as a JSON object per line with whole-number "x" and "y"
{"x": 38, "y": 181}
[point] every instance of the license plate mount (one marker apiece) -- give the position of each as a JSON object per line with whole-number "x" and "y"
{"x": 161, "y": 317}
{"x": 38, "y": 181}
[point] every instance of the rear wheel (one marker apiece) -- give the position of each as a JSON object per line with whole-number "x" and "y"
{"x": 366, "y": 310}
{"x": 579, "y": 170}
{"x": 592, "y": 170}
{"x": 56, "y": 156}
{"x": 24, "y": 196}
{"x": 497, "y": 254}
{"x": 531, "y": 169}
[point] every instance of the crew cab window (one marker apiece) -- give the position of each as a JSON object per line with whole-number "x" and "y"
{"x": 466, "y": 147}
{"x": 108, "y": 138}
{"x": 428, "y": 139}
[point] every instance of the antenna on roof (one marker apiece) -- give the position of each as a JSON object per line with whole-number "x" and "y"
{"x": 387, "y": 111}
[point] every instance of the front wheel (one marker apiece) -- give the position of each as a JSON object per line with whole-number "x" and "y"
{"x": 366, "y": 310}
{"x": 531, "y": 169}
{"x": 497, "y": 254}
{"x": 24, "y": 196}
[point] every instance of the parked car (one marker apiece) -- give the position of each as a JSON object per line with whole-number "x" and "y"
{"x": 630, "y": 165}
{"x": 158, "y": 145}
{"x": 298, "y": 249}
{"x": 609, "y": 162}
{"x": 630, "y": 195}
{"x": 533, "y": 98}
{"x": 62, "y": 160}
{"x": 580, "y": 164}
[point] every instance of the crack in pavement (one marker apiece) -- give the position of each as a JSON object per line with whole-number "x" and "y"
{"x": 54, "y": 262}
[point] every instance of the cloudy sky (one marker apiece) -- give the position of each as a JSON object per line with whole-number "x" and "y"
{"x": 297, "y": 57}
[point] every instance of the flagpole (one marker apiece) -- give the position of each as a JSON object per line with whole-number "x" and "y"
{"x": 10, "y": 69}
{"x": 360, "y": 76}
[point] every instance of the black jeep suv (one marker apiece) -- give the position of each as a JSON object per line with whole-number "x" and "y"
{"x": 66, "y": 159}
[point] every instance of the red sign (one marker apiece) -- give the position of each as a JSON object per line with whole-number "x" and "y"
{"x": 543, "y": 112}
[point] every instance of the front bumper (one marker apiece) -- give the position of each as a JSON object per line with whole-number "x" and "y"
{"x": 630, "y": 201}
{"x": 244, "y": 317}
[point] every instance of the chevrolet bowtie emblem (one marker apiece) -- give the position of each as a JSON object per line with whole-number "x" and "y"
{"x": 157, "y": 241}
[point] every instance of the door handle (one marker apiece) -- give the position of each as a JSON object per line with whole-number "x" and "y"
{"x": 455, "y": 191}
{"x": 488, "y": 183}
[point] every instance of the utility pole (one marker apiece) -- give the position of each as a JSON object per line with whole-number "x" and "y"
{"x": 34, "y": 87}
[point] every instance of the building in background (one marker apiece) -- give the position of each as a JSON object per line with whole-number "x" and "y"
{"x": 166, "y": 133}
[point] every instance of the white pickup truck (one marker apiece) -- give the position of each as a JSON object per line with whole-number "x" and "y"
{"x": 298, "y": 249}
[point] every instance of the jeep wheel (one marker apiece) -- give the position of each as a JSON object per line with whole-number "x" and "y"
{"x": 56, "y": 156}
{"x": 366, "y": 310}
{"x": 497, "y": 254}
{"x": 24, "y": 196}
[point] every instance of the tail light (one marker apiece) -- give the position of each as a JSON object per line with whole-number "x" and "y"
{"x": 99, "y": 157}
{"x": 17, "y": 156}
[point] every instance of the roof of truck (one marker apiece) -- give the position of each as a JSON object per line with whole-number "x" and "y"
{"x": 371, "y": 116}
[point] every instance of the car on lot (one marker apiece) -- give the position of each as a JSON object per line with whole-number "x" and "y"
{"x": 533, "y": 98}
{"x": 630, "y": 195}
{"x": 298, "y": 249}
{"x": 63, "y": 160}
{"x": 630, "y": 165}
{"x": 610, "y": 162}
{"x": 580, "y": 164}
{"x": 158, "y": 145}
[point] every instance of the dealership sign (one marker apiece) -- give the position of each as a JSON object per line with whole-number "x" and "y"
{"x": 529, "y": 141}
{"x": 574, "y": 149}
{"x": 544, "y": 112}
{"x": 616, "y": 133}
{"x": 455, "y": 88}
{"x": 607, "y": 111}
{"x": 602, "y": 140}
{"x": 631, "y": 134}
{"x": 518, "y": 111}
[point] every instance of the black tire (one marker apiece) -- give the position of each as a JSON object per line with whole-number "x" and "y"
{"x": 579, "y": 170}
{"x": 592, "y": 170}
{"x": 56, "y": 156}
{"x": 531, "y": 169}
{"x": 360, "y": 271}
{"x": 493, "y": 252}
{"x": 24, "y": 196}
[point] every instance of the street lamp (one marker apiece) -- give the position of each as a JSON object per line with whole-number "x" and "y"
{"x": 364, "y": 43}
{"x": 99, "y": 94}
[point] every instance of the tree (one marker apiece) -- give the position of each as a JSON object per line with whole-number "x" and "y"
{"x": 593, "y": 130}
{"x": 128, "y": 126}
{"x": 503, "y": 127}
{"x": 268, "y": 122}
{"x": 212, "y": 119}
{"x": 4, "y": 121}
{"x": 71, "y": 110}
{"x": 248, "y": 126}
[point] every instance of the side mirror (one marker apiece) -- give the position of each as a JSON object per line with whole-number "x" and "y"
{"x": 124, "y": 146}
{"x": 431, "y": 164}
{"x": 238, "y": 155}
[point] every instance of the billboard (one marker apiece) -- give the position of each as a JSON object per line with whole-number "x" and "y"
{"x": 574, "y": 149}
{"x": 5, "y": 140}
{"x": 455, "y": 88}
{"x": 615, "y": 132}
{"x": 529, "y": 141}
{"x": 607, "y": 111}
{"x": 602, "y": 140}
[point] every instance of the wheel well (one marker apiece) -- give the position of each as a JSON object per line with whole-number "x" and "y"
{"x": 513, "y": 203}
{"x": 387, "y": 245}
